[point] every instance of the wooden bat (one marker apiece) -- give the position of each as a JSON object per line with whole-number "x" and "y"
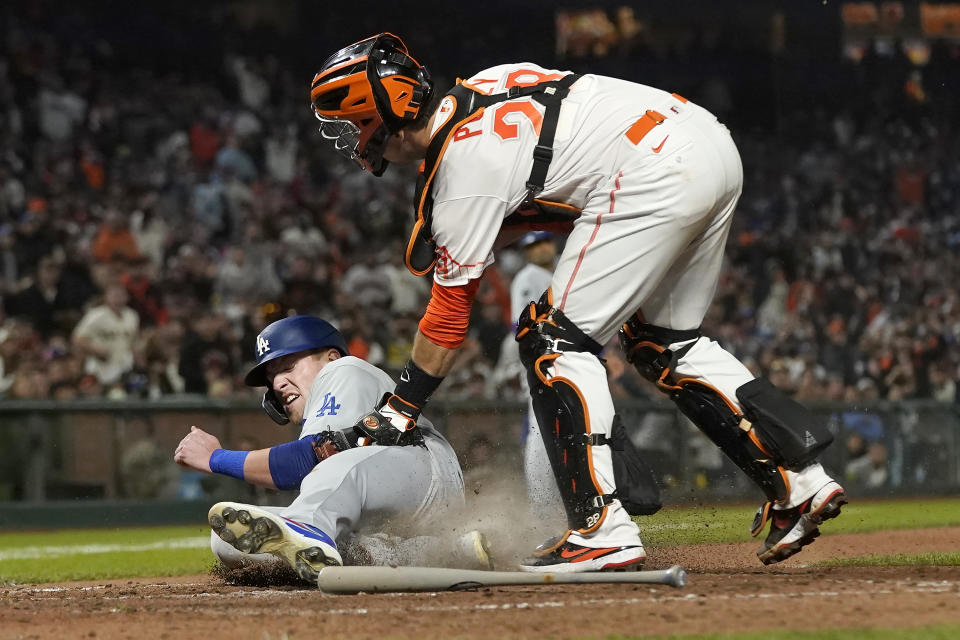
{"x": 386, "y": 579}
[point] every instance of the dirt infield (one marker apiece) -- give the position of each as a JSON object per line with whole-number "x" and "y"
{"x": 728, "y": 591}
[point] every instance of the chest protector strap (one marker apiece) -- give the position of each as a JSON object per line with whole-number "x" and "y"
{"x": 468, "y": 105}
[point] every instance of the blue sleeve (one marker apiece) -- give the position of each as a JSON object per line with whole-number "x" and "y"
{"x": 291, "y": 462}
{"x": 229, "y": 463}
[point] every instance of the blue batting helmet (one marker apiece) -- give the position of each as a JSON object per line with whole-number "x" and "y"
{"x": 292, "y": 335}
{"x": 533, "y": 237}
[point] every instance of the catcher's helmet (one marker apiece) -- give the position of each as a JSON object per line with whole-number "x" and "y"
{"x": 367, "y": 92}
{"x": 292, "y": 335}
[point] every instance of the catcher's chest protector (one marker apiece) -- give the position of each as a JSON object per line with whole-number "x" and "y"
{"x": 534, "y": 213}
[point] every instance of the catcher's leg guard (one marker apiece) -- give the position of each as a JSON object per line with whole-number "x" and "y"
{"x": 771, "y": 434}
{"x": 543, "y": 333}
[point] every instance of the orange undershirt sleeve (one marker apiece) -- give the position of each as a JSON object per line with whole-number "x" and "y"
{"x": 447, "y": 317}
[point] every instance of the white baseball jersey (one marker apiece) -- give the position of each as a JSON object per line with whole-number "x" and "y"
{"x": 483, "y": 173}
{"x": 656, "y": 179}
{"x": 111, "y": 331}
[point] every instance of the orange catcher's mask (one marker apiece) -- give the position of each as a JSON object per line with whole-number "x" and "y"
{"x": 365, "y": 93}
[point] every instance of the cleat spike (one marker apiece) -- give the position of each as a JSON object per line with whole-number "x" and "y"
{"x": 250, "y": 529}
{"x": 793, "y": 529}
{"x": 217, "y": 523}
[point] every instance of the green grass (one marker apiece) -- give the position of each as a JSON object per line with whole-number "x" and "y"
{"x": 938, "y": 632}
{"x": 948, "y": 559}
{"x": 95, "y": 554}
{"x": 166, "y": 562}
{"x": 113, "y": 535}
{"x": 675, "y": 526}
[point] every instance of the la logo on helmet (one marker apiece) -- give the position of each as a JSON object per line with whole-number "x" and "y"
{"x": 263, "y": 345}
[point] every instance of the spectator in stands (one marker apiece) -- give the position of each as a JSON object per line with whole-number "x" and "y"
{"x": 162, "y": 356}
{"x": 856, "y": 217}
{"x": 114, "y": 240}
{"x": 943, "y": 384}
{"x": 866, "y": 462}
{"x": 366, "y": 282}
{"x": 33, "y": 237}
{"x": 105, "y": 336}
{"x": 305, "y": 288}
{"x": 205, "y": 138}
{"x": 280, "y": 154}
{"x": 301, "y": 237}
{"x": 205, "y": 345}
{"x": 40, "y": 302}
{"x": 145, "y": 296}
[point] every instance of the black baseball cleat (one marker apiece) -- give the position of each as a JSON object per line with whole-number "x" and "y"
{"x": 554, "y": 556}
{"x": 251, "y": 529}
{"x": 793, "y": 529}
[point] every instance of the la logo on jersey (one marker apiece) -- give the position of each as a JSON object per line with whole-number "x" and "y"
{"x": 329, "y": 406}
{"x": 263, "y": 345}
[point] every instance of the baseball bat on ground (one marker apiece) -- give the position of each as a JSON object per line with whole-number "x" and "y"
{"x": 386, "y": 579}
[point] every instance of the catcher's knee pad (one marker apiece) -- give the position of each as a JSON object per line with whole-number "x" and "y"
{"x": 771, "y": 434}
{"x": 543, "y": 333}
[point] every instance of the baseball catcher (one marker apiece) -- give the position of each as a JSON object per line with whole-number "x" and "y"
{"x": 344, "y": 486}
{"x": 645, "y": 183}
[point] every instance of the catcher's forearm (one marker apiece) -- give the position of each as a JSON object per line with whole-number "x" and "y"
{"x": 434, "y": 359}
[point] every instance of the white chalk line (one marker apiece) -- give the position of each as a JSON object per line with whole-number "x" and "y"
{"x": 933, "y": 587}
{"x": 56, "y": 551}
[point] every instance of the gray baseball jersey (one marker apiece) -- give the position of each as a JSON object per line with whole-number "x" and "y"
{"x": 527, "y": 286}
{"x": 362, "y": 489}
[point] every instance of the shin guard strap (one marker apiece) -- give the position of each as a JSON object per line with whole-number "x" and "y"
{"x": 646, "y": 348}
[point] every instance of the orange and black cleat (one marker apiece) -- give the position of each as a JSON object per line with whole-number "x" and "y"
{"x": 570, "y": 557}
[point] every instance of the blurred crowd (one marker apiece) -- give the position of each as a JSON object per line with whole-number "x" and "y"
{"x": 152, "y": 223}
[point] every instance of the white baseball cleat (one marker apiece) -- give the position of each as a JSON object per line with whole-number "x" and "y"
{"x": 793, "y": 529}
{"x": 563, "y": 556}
{"x": 251, "y": 529}
{"x": 472, "y": 550}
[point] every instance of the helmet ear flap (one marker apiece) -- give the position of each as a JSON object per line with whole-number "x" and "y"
{"x": 273, "y": 407}
{"x": 401, "y": 86}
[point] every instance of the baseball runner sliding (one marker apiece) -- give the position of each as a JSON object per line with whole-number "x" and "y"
{"x": 645, "y": 183}
{"x": 312, "y": 380}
